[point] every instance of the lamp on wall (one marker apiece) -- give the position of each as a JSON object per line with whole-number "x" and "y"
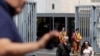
{"x": 53, "y": 6}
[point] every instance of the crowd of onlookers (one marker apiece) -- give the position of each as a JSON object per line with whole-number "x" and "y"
{"x": 65, "y": 48}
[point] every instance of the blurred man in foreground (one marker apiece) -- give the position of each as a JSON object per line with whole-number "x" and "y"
{"x": 10, "y": 40}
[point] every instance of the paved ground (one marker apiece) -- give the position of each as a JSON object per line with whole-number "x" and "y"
{"x": 45, "y": 52}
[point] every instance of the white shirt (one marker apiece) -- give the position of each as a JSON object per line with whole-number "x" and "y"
{"x": 88, "y": 51}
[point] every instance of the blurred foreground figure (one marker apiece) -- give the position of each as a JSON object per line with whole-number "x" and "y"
{"x": 10, "y": 40}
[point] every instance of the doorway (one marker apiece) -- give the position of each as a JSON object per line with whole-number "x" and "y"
{"x": 46, "y": 24}
{"x": 70, "y": 27}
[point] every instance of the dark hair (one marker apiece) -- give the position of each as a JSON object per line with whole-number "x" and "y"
{"x": 85, "y": 42}
{"x": 77, "y": 29}
{"x": 83, "y": 46}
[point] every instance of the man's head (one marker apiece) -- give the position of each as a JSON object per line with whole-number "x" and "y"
{"x": 16, "y": 4}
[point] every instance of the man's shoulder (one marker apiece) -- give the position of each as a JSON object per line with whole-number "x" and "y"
{"x": 3, "y": 13}
{"x": 4, "y": 16}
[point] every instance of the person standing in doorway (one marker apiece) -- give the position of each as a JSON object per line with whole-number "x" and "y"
{"x": 76, "y": 37}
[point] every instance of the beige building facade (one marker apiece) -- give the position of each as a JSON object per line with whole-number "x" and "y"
{"x": 62, "y": 6}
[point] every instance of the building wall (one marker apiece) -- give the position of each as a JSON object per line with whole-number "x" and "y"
{"x": 62, "y": 6}
{"x": 40, "y": 6}
{"x": 68, "y": 6}
{"x": 89, "y": 2}
{"x": 57, "y": 6}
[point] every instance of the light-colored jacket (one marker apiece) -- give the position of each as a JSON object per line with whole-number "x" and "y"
{"x": 88, "y": 52}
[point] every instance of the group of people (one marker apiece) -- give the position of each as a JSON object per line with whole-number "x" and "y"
{"x": 65, "y": 48}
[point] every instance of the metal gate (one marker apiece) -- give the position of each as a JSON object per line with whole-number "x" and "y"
{"x": 97, "y": 29}
{"x": 26, "y": 22}
{"x": 83, "y": 21}
{"x": 87, "y": 19}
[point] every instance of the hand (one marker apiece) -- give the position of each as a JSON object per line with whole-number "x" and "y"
{"x": 47, "y": 37}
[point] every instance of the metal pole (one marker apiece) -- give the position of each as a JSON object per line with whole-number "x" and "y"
{"x": 66, "y": 18}
{"x": 53, "y": 22}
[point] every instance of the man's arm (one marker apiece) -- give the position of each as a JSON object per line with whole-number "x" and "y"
{"x": 8, "y": 47}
